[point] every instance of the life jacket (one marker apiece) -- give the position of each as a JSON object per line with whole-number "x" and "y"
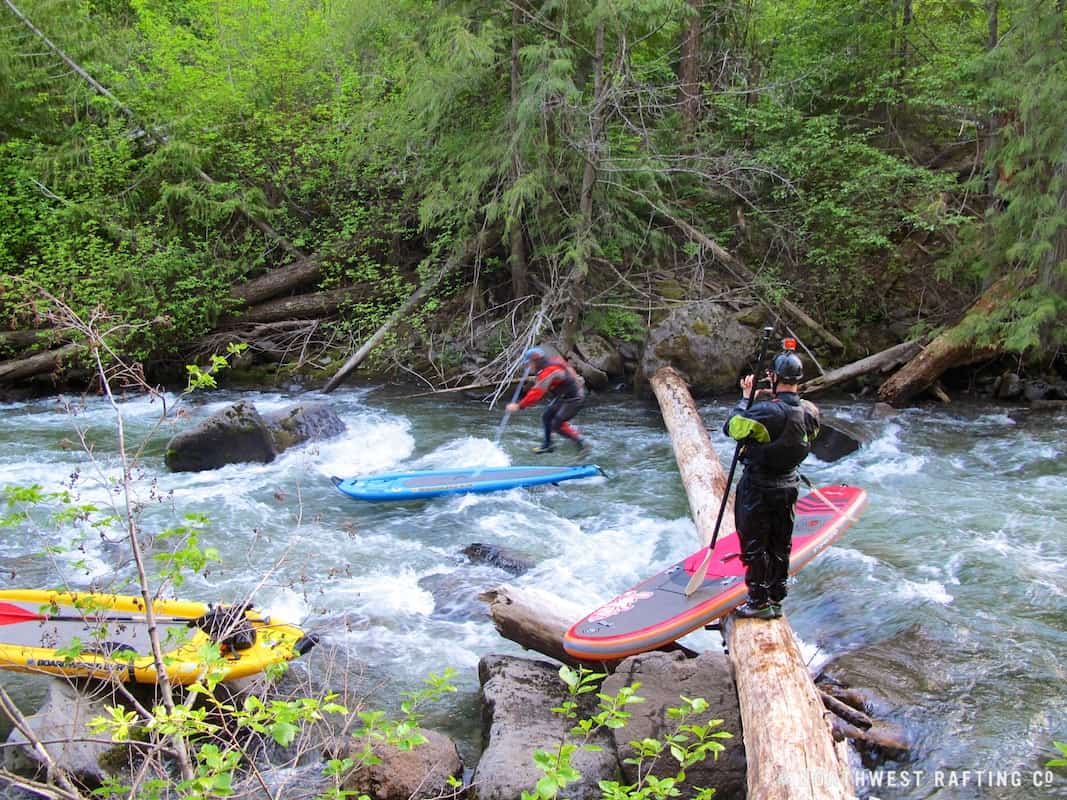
{"x": 781, "y": 456}
{"x": 566, "y": 384}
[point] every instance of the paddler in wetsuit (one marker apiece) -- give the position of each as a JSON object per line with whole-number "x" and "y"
{"x": 776, "y": 434}
{"x": 558, "y": 381}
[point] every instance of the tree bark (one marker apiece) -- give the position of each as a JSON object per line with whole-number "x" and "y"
{"x": 520, "y": 287}
{"x": 21, "y": 368}
{"x": 789, "y": 743}
{"x": 301, "y": 272}
{"x": 689, "y": 67}
{"x": 952, "y": 348}
{"x": 702, "y": 473}
{"x": 537, "y": 620}
{"x": 302, "y": 306}
{"x": 883, "y": 361}
{"x": 534, "y": 619}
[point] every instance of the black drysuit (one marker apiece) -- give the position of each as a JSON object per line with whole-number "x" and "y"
{"x": 775, "y": 436}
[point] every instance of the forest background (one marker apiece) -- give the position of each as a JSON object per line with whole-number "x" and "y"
{"x": 539, "y": 168}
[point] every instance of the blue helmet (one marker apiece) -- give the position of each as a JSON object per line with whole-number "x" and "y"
{"x": 533, "y": 354}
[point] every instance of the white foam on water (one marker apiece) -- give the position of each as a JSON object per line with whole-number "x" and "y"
{"x": 372, "y": 444}
{"x": 385, "y": 596}
{"x": 468, "y": 451}
{"x": 931, "y": 591}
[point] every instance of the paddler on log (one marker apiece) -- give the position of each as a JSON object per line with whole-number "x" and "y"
{"x": 774, "y": 429}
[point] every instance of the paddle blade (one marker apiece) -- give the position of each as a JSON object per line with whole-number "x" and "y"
{"x": 833, "y": 443}
{"x": 699, "y": 575}
{"x": 11, "y": 614}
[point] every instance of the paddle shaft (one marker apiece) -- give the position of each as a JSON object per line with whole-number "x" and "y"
{"x": 514, "y": 399}
{"x": 11, "y": 614}
{"x": 702, "y": 570}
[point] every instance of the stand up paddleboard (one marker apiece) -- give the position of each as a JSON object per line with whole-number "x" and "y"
{"x": 657, "y": 612}
{"x": 106, "y": 636}
{"x": 437, "y": 482}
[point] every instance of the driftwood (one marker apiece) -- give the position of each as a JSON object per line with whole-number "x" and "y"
{"x": 881, "y": 362}
{"x": 302, "y": 272}
{"x": 792, "y": 753}
{"x": 702, "y": 474}
{"x": 735, "y": 265}
{"x": 401, "y": 312}
{"x": 537, "y": 620}
{"x": 21, "y": 368}
{"x": 534, "y": 619}
{"x": 950, "y": 349}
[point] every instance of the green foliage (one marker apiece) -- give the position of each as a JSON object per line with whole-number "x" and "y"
{"x": 1058, "y": 762}
{"x": 616, "y": 323}
{"x": 687, "y": 743}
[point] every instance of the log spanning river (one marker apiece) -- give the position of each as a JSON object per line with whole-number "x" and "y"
{"x": 947, "y": 600}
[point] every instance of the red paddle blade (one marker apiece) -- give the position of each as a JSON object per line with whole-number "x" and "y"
{"x": 11, "y": 613}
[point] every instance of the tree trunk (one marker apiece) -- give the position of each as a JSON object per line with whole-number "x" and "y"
{"x": 882, "y": 362}
{"x": 302, "y": 272}
{"x": 689, "y": 67}
{"x": 575, "y": 285}
{"x": 302, "y": 306}
{"x": 534, "y": 619}
{"x": 952, "y": 348}
{"x": 520, "y": 286}
{"x": 21, "y": 368}
{"x": 702, "y": 473}
{"x": 789, "y": 743}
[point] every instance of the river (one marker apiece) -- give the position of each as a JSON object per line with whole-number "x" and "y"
{"x": 948, "y": 598}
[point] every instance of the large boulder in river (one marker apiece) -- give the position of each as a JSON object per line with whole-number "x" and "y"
{"x": 664, "y": 679}
{"x": 519, "y": 694}
{"x": 306, "y": 422}
{"x": 705, "y": 342}
{"x": 240, "y": 434}
{"x": 237, "y": 434}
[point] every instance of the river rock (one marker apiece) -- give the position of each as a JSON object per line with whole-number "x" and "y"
{"x": 303, "y": 423}
{"x": 598, "y": 353}
{"x": 409, "y": 774}
{"x": 703, "y": 341}
{"x": 240, "y": 434}
{"x": 237, "y": 434}
{"x": 664, "y": 678}
{"x": 61, "y": 723}
{"x": 497, "y": 556}
{"x": 518, "y": 696}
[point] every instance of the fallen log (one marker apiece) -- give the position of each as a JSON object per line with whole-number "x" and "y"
{"x": 301, "y": 272}
{"x": 314, "y": 305}
{"x": 881, "y": 362}
{"x": 416, "y": 297}
{"x": 952, "y": 348}
{"x": 702, "y": 473}
{"x": 789, "y": 742}
{"x": 537, "y": 620}
{"x": 21, "y": 368}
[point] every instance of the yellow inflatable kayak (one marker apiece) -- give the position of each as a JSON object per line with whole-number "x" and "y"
{"x": 106, "y": 636}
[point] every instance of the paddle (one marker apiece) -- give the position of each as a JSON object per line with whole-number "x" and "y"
{"x": 514, "y": 399}
{"x": 833, "y": 443}
{"x": 702, "y": 570}
{"x": 11, "y": 614}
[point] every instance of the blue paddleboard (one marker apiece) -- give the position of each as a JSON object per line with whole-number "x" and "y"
{"x": 437, "y": 482}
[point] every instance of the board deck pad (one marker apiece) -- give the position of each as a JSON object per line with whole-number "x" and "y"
{"x": 656, "y": 612}
{"x": 435, "y": 483}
